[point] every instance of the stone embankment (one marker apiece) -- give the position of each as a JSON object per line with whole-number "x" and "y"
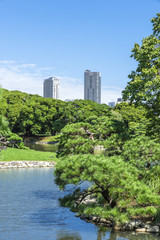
{"x": 25, "y": 164}
{"x": 133, "y": 225}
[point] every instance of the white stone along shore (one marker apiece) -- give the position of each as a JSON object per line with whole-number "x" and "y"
{"x": 25, "y": 164}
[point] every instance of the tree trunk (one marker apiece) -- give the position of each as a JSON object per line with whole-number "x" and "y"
{"x": 106, "y": 196}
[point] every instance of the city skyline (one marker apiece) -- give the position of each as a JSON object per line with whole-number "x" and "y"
{"x": 37, "y": 44}
{"x": 92, "y": 88}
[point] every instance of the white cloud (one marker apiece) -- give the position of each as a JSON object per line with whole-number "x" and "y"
{"x": 70, "y": 88}
{"x": 7, "y": 62}
{"x": 22, "y": 77}
{"x": 29, "y": 78}
{"x": 110, "y": 94}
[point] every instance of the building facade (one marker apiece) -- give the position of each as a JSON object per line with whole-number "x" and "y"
{"x": 111, "y": 104}
{"x": 56, "y": 90}
{"x": 51, "y": 88}
{"x": 119, "y": 100}
{"x": 92, "y": 86}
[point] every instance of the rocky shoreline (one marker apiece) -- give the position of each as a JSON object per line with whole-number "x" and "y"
{"x": 133, "y": 225}
{"x": 25, "y": 164}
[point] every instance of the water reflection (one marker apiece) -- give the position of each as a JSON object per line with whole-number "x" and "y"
{"x": 42, "y": 147}
{"x": 29, "y": 209}
{"x": 106, "y": 235}
{"x": 68, "y": 236}
{"x": 103, "y": 235}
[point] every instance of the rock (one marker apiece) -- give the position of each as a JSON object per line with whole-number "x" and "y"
{"x": 128, "y": 227}
{"x": 105, "y": 221}
{"x": 140, "y": 230}
{"x": 95, "y": 219}
{"x": 132, "y": 225}
{"x": 154, "y": 229}
{"x": 99, "y": 149}
{"x": 117, "y": 227}
{"x": 83, "y": 217}
{"x": 147, "y": 226}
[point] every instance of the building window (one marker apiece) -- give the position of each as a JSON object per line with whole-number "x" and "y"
{"x": 93, "y": 94}
{"x": 88, "y": 93}
{"x": 90, "y": 82}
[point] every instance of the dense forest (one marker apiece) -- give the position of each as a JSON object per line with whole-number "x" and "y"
{"x": 32, "y": 115}
{"x": 124, "y": 175}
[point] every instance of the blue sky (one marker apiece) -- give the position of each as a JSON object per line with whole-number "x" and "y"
{"x": 63, "y": 38}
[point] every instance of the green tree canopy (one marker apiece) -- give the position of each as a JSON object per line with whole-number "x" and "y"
{"x": 144, "y": 86}
{"x": 31, "y": 114}
{"x": 82, "y": 137}
{"x": 4, "y": 129}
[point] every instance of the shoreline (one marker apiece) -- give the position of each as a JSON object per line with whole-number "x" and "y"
{"x": 131, "y": 226}
{"x": 25, "y": 164}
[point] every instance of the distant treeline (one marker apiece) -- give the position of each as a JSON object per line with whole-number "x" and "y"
{"x": 32, "y": 114}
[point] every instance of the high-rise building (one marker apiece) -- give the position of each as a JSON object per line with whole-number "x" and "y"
{"x": 92, "y": 86}
{"x": 51, "y": 88}
{"x": 119, "y": 100}
{"x": 111, "y": 104}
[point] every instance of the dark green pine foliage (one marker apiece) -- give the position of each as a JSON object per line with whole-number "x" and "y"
{"x": 106, "y": 131}
{"x": 117, "y": 191}
{"x": 124, "y": 180}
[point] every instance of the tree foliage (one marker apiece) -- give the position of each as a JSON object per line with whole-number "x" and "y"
{"x": 4, "y": 129}
{"x": 136, "y": 118}
{"x": 32, "y": 115}
{"x": 124, "y": 181}
{"x": 115, "y": 184}
{"x": 82, "y": 137}
{"x": 144, "y": 86}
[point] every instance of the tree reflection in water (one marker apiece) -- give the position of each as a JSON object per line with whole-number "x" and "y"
{"x": 103, "y": 235}
{"x": 68, "y": 236}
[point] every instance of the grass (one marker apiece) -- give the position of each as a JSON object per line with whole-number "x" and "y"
{"x": 50, "y": 138}
{"x": 13, "y": 154}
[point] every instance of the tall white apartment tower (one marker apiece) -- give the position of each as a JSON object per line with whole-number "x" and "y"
{"x": 92, "y": 86}
{"x": 56, "y": 85}
{"x": 51, "y": 88}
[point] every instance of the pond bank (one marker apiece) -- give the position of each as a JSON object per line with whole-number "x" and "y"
{"x": 133, "y": 225}
{"x": 25, "y": 164}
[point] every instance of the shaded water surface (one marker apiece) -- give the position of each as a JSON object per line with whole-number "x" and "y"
{"x": 42, "y": 147}
{"x": 29, "y": 209}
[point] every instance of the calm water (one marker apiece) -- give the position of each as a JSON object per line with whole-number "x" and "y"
{"x": 30, "y": 210}
{"x": 42, "y": 147}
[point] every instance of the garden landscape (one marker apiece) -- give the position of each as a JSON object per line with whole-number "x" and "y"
{"x": 107, "y": 159}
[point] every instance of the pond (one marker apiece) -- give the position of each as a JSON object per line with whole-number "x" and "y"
{"x": 42, "y": 147}
{"x": 30, "y": 209}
